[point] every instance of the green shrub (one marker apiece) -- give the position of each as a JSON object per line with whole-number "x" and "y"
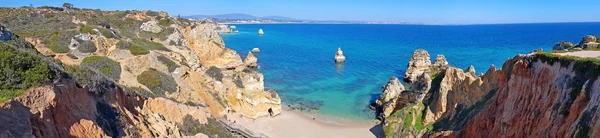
{"x": 86, "y": 46}
{"x": 159, "y": 83}
{"x": 138, "y": 50}
{"x": 212, "y": 128}
{"x": 149, "y": 45}
{"x": 123, "y": 44}
{"x": 215, "y": 73}
{"x": 58, "y": 48}
{"x": 168, "y": 62}
{"x": 105, "y": 65}
{"x": 58, "y": 43}
{"x": 19, "y": 71}
{"x": 107, "y": 33}
{"x": 139, "y": 91}
{"x": 86, "y": 29}
{"x": 48, "y": 15}
{"x": 151, "y": 13}
{"x": 162, "y": 35}
{"x": 164, "y": 22}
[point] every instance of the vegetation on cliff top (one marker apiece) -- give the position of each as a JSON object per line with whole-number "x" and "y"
{"x": 586, "y": 69}
{"x": 212, "y": 129}
{"x": 20, "y": 70}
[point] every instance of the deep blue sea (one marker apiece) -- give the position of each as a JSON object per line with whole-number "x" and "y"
{"x": 297, "y": 60}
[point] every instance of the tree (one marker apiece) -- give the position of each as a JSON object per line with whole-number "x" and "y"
{"x": 68, "y": 5}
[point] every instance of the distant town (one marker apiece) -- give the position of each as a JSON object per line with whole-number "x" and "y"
{"x": 249, "y": 19}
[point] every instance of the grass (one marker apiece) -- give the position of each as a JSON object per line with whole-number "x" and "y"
{"x": 168, "y": 62}
{"x": 159, "y": 83}
{"x": 105, "y": 65}
{"x": 138, "y": 50}
{"x": 151, "y": 13}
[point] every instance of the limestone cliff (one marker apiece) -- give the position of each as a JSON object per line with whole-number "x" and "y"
{"x": 533, "y": 95}
{"x": 128, "y": 73}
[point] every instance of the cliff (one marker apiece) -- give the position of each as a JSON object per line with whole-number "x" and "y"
{"x": 122, "y": 73}
{"x": 532, "y": 95}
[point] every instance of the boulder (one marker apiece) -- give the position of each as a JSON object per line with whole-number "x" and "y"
{"x": 5, "y": 34}
{"x": 232, "y": 27}
{"x": 419, "y": 63}
{"x": 151, "y": 26}
{"x": 339, "y": 56}
{"x": 251, "y": 60}
{"x": 588, "y": 39}
{"x": 260, "y": 32}
{"x": 563, "y": 45}
{"x": 255, "y": 50}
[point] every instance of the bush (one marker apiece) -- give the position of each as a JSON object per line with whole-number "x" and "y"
{"x": 107, "y": 33}
{"x": 164, "y": 35}
{"x": 86, "y": 46}
{"x": 151, "y": 13}
{"x": 137, "y": 50}
{"x": 164, "y": 22}
{"x": 159, "y": 83}
{"x": 139, "y": 91}
{"x": 168, "y": 62}
{"x": 58, "y": 42}
{"x": 86, "y": 29}
{"x": 105, "y": 65}
{"x": 150, "y": 45}
{"x": 19, "y": 71}
{"x": 123, "y": 44}
{"x": 215, "y": 73}
{"x": 212, "y": 129}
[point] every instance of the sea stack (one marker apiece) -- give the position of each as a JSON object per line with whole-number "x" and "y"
{"x": 339, "y": 56}
{"x": 260, "y": 32}
{"x": 255, "y": 50}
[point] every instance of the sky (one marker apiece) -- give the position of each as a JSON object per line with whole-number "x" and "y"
{"x": 413, "y": 11}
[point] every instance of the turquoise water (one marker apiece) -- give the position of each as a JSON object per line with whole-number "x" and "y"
{"x": 298, "y": 59}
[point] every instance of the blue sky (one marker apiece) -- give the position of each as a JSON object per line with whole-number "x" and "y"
{"x": 416, "y": 11}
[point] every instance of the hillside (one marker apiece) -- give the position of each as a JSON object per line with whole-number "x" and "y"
{"x": 91, "y": 73}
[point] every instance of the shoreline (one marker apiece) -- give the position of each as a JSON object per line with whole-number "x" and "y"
{"x": 299, "y": 124}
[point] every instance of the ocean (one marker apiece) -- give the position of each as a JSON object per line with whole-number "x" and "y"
{"x": 297, "y": 60}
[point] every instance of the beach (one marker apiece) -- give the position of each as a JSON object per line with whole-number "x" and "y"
{"x": 296, "y": 124}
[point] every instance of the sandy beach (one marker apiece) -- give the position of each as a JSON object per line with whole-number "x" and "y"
{"x": 295, "y": 124}
{"x": 591, "y": 54}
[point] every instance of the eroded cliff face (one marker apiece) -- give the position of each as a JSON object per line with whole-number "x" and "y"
{"x": 164, "y": 77}
{"x": 532, "y": 95}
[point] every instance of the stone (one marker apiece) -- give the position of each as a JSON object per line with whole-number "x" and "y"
{"x": 255, "y": 50}
{"x": 419, "y": 63}
{"x": 151, "y": 26}
{"x": 588, "y": 39}
{"x": 5, "y": 34}
{"x": 563, "y": 45}
{"x": 251, "y": 60}
{"x": 233, "y": 27}
{"x": 440, "y": 61}
{"x": 339, "y": 56}
{"x": 390, "y": 91}
{"x": 260, "y": 32}
{"x": 471, "y": 71}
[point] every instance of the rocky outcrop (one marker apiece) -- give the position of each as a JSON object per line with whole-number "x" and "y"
{"x": 387, "y": 100}
{"x": 5, "y": 34}
{"x": 151, "y": 26}
{"x": 208, "y": 45}
{"x": 418, "y": 64}
{"x": 471, "y": 71}
{"x": 533, "y": 95}
{"x": 563, "y": 45}
{"x": 589, "y": 42}
{"x": 440, "y": 61}
{"x": 260, "y": 32}
{"x": 251, "y": 60}
{"x": 339, "y": 56}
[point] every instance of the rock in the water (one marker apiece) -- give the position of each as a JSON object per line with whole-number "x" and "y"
{"x": 260, "y": 32}
{"x": 251, "y": 60}
{"x": 563, "y": 45}
{"x": 151, "y": 26}
{"x": 589, "y": 42}
{"x": 233, "y": 27}
{"x": 419, "y": 63}
{"x": 339, "y": 56}
{"x": 255, "y": 50}
{"x": 5, "y": 34}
